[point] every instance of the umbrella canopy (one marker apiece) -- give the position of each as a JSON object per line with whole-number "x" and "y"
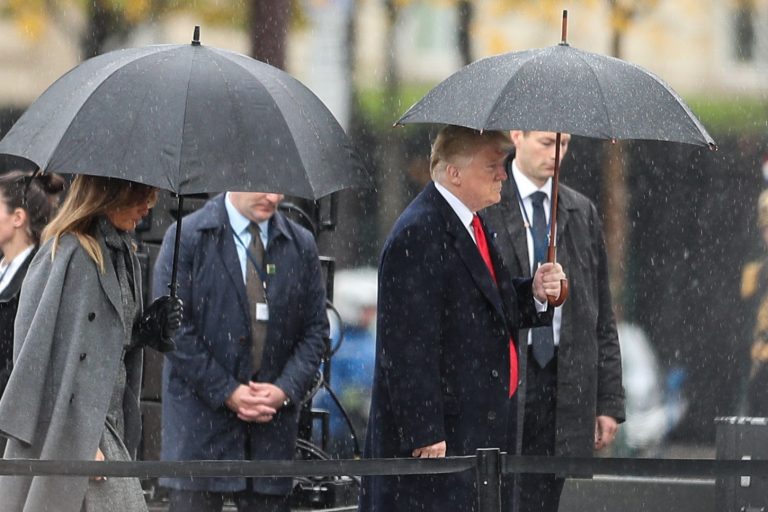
{"x": 189, "y": 119}
{"x": 561, "y": 89}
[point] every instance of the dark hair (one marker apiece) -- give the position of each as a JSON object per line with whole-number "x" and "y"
{"x": 35, "y": 193}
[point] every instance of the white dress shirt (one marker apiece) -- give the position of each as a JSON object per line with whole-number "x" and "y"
{"x": 239, "y": 224}
{"x": 526, "y": 188}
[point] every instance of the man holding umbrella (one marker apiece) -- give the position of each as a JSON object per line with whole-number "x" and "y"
{"x": 448, "y": 316}
{"x": 573, "y": 393}
{"x": 248, "y": 349}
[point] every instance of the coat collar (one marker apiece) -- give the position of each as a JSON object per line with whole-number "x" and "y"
{"x": 111, "y": 286}
{"x": 214, "y": 218}
{"x": 466, "y": 248}
{"x": 12, "y": 290}
{"x": 217, "y": 218}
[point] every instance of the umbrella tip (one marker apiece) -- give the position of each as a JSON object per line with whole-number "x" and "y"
{"x": 564, "y": 32}
{"x": 712, "y": 146}
{"x": 196, "y": 36}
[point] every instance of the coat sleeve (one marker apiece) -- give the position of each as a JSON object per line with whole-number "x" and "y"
{"x": 300, "y": 369}
{"x": 528, "y": 316}
{"x": 191, "y": 359}
{"x": 39, "y": 303}
{"x": 410, "y": 307}
{"x": 610, "y": 391}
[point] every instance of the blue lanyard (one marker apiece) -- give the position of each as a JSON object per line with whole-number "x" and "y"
{"x": 252, "y": 259}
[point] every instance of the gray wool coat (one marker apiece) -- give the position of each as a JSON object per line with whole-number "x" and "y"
{"x": 68, "y": 343}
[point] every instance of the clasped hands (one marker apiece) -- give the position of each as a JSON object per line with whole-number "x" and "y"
{"x": 546, "y": 281}
{"x": 256, "y": 402}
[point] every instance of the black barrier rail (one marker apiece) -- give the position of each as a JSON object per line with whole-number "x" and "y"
{"x": 489, "y": 465}
{"x": 564, "y": 466}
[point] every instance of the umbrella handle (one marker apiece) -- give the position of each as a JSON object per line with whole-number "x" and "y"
{"x": 560, "y": 299}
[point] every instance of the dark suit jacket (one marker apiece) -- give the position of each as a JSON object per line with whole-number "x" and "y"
{"x": 589, "y": 357}
{"x": 214, "y": 345}
{"x": 9, "y": 303}
{"x": 442, "y": 355}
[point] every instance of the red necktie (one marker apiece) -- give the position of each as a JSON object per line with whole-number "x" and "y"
{"x": 482, "y": 246}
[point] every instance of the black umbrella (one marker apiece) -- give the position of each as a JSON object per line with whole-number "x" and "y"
{"x": 189, "y": 119}
{"x": 561, "y": 89}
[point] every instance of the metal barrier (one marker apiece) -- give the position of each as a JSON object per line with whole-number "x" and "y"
{"x": 489, "y": 465}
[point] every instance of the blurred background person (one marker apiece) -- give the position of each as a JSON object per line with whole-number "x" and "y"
{"x": 351, "y": 362}
{"x": 27, "y": 201}
{"x": 655, "y": 403}
{"x": 73, "y": 393}
{"x": 754, "y": 293}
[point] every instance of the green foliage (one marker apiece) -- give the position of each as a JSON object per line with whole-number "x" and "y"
{"x": 732, "y": 114}
{"x": 377, "y": 108}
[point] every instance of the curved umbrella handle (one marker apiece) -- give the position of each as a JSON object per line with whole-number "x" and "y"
{"x": 560, "y": 299}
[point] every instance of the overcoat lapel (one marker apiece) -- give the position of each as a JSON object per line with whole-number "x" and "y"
{"x": 109, "y": 283}
{"x": 564, "y": 205}
{"x": 515, "y": 227}
{"x": 469, "y": 253}
{"x": 230, "y": 261}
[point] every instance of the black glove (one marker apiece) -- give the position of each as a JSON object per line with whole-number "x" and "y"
{"x": 159, "y": 322}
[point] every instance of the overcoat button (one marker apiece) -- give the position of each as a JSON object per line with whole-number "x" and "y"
{"x": 242, "y": 340}
{"x": 491, "y": 415}
{"x": 91, "y": 316}
{"x": 82, "y": 356}
{"x": 495, "y": 373}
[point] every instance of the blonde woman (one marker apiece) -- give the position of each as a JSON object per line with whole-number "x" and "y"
{"x": 73, "y": 393}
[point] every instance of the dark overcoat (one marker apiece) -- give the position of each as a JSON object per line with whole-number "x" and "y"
{"x": 442, "y": 355}
{"x": 68, "y": 345}
{"x": 9, "y": 303}
{"x": 213, "y": 354}
{"x": 589, "y": 357}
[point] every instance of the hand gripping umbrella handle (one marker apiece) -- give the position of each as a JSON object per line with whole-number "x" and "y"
{"x": 560, "y": 299}
{"x": 555, "y": 301}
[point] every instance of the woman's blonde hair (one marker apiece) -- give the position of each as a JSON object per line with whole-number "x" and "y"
{"x": 90, "y": 197}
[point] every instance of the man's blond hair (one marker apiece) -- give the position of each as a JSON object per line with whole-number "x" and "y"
{"x": 454, "y": 143}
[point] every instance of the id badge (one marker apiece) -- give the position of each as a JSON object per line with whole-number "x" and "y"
{"x": 262, "y": 312}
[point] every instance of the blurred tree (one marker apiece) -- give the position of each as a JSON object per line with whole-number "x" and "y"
{"x": 391, "y": 176}
{"x": 107, "y": 24}
{"x": 268, "y": 30}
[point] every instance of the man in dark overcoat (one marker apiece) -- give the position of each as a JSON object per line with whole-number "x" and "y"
{"x": 575, "y": 399}
{"x": 448, "y": 316}
{"x": 243, "y": 363}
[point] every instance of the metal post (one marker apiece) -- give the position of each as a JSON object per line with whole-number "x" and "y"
{"x": 488, "y": 470}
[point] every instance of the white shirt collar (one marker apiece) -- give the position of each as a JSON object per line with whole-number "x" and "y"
{"x": 526, "y": 187}
{"x": 9, "y": 269}
{"x": 465, "y": 214}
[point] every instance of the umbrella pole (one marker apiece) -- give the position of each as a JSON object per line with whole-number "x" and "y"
{"x": 552, "y": 248}
{"x": 173, "y": 286}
